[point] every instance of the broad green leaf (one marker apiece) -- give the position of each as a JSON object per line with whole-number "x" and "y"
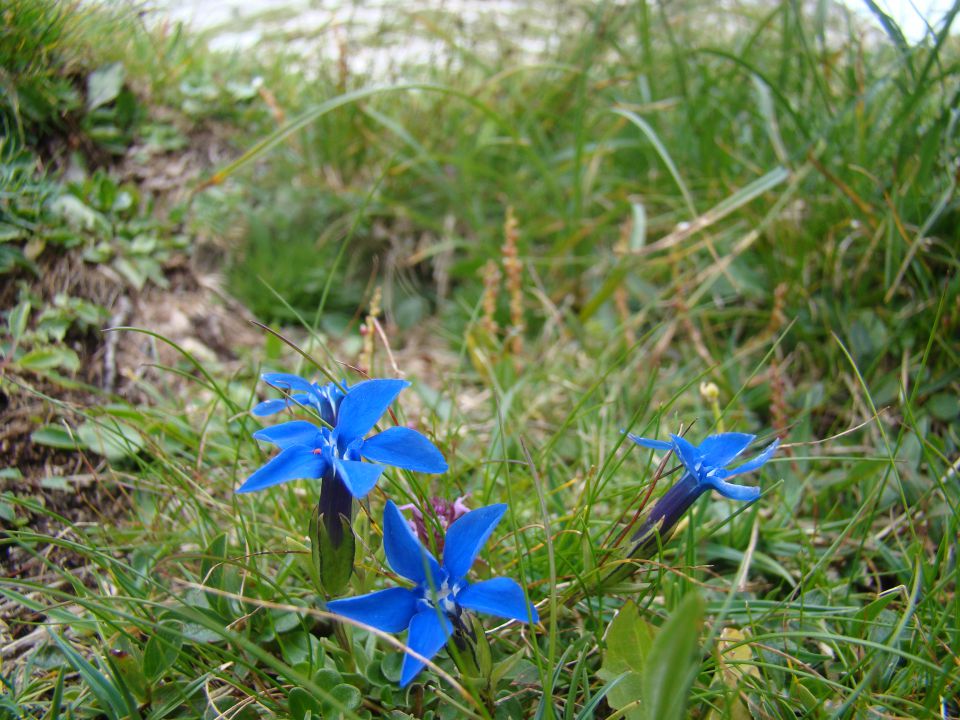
{"x": 672, "y": 662}
{"x": 111, "y": 439}
{"x": 628, "y": 641}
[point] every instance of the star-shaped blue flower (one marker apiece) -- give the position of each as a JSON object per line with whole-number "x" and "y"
{"x": 707, "y": 462}
{"x": 706, "y": 469}
{"x": 432, "y": 608}
{"x": 309, "y": 451}
{"x": 325, "y": 399}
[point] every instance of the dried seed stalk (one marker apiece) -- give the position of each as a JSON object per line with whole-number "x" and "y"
{"x": 513, "y": 269}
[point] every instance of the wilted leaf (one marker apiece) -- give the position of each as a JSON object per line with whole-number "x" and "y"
{"x": 735, "y": 655}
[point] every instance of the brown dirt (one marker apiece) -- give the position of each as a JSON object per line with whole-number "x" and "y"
{"x": 193, "y": 312}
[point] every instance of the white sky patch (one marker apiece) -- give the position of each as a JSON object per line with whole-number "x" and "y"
{"x": 225, "y": 18}
{"x": 913, "y": 17}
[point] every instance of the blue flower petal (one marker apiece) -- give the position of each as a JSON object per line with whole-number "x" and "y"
{"x": 502, "y": 597}
{"x": 359, "y": 477}
{"x": 286, "y": 381}
{"x": 270, "y": 407}
{"x": 288, "y": 434}
{"x": 719, "y": 450}
{"x": 404, "y": 552}
{"x": 291, "y": 464}
{"x": 734, "y": 492}
{"x": 465, "y": 538}
{"x": 651, "y": 444}
{"x": 429, "y": 630}
{"x": 387, "y": 610}
{"x": 404, "y": 448}
{"x": 757, "y": 462}
{"x": 688, "y": 455}
{"x": 363, "y": 407}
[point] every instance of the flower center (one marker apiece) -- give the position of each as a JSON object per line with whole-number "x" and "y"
{"x": 443, "y": 598}
{"x": 326, "y": 444}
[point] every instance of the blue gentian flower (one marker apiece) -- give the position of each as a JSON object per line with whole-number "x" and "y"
{"x": 325, "y": 399}
{"x": 432, "y": 609}
{"x": 705, "y": 468}
{"x": 334, "y": 454}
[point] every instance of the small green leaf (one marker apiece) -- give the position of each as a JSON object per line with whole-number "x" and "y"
{"x": 343, "y": 699}
{"x": 162, "y": 649}
{"x": 944, "y": 406}
{"x": 17, "y": 320}
{"x": 500, "y": 669}
{"x": 131, "y": 272}
{"x": 50, "y": 358}
{"x": 806, "y": 698}
{"x": 300, "y": 702}
{"x": 54, "y": 436}
{"x": 392, "y": 664}
{"x": 628, "y": 640}
{"x": 104, "y": 85}
{"x": 866, "y": 618}
{"x": 7, "y": 511}
{"x": 55, "y": 482}
{"x": 127, "y": 666}
{"x": 77, "y": 214}
{"x": 10, "y": 232}
{"x": 300, "y": 647}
